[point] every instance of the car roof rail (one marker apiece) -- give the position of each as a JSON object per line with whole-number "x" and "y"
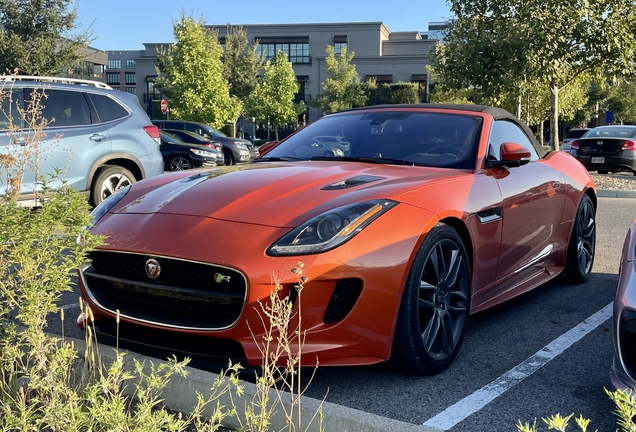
{"x": 61, "y": 80}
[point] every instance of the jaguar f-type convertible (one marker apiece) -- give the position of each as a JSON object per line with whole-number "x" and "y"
{"x": 429, "y": 214}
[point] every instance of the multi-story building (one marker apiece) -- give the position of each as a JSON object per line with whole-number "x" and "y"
{"x": 379, "y": 53}
{"x": 91, "y": 67}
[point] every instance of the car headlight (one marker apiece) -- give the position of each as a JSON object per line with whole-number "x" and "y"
{"x": 105, "y": 206}
{"x": 240, "y": 145}
{"x": 203, "y": 153}
{"x": 330, "y": 229}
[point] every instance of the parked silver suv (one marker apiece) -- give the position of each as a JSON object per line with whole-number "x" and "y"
{"x": 100, "y": 138}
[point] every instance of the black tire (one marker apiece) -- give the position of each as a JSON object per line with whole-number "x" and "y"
{"x": 107, "y": 181}
{"x": 179, "y": 163}
{"x": 435, "y": 305}
{"x": 602, "y": 171}
{"x": 582, "y": 244}
{"x": 229, "y": 157}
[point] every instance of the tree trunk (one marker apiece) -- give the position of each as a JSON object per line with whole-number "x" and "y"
{"x": 276, "y": 132}
{"x": 518, "y": 113}
{"x": 541, "y": 132}
{"x": 554, "y": 115}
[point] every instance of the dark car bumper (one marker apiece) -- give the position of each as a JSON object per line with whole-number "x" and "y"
{"x": 624, "y": 161}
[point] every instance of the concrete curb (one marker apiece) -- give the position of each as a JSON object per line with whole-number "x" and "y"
{"x": 608, "y": 193}
{"x": 181, "y": 396}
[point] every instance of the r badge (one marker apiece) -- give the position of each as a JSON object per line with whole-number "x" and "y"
{"x": 153, "y": 269}
{"x": 218, "y": 278}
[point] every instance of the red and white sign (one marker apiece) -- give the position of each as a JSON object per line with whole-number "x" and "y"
{"x": 164, "y": 106}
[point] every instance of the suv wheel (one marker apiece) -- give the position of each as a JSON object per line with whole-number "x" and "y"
{"x": 109, "y": 180}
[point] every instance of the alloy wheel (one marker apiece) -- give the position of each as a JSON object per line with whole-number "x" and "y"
{"x": 443, "y": 299}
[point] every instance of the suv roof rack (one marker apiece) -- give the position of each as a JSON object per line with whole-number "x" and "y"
{"x": 61, "y": 80}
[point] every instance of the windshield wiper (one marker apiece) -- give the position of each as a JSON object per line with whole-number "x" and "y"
{"x": 367, "y": 159}
{"x": 277, "y": 159}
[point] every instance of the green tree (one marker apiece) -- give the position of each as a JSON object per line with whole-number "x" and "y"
{"x": 36, "y": 39}
{"x": 273, "y": 98}
{"x": 497, "y": 48}
{"x": 401, "y": 93}
{"x": 621, "y": 101}
{"x": 191, "y": 75}
{"x": 241, "y": 65}
{"x": 342, "y": 89}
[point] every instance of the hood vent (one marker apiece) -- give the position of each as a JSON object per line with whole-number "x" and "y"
{"x": 352, "y": 182}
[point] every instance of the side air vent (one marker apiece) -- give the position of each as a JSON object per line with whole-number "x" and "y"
{"x": 344, "y": 297}
{"x": 352, "y": 182}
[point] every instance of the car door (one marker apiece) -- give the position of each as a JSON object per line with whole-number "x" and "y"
{"x": 532, "y": 205}
{"x": 72, "y": 140}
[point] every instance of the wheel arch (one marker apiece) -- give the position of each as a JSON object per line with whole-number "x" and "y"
{"x": 461, "y": 228}
{"x": 131, "y": 163}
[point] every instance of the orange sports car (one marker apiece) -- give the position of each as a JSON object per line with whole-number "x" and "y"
{"x": 432, "y": 213}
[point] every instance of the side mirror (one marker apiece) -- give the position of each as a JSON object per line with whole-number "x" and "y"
{"x": 512, "y": 155}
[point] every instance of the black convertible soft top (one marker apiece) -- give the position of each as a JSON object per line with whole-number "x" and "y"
{"x": 496, "y": 113}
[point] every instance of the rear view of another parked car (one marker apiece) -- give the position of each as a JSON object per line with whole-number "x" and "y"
{"x": 100, "y": 138}
{"x": 235, "y": 150}
{"x": 570, "y": 136}
{"x": 607, "y": 149}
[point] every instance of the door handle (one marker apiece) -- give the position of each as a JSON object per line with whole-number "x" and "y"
{"x": 556, "y": 184}
{"x": 97, "y": 138}
{"x": 20, "y": 141}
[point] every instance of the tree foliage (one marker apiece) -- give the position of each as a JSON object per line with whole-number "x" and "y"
{"x": 495, "y": 49}
{"x": 273, "y": 98}
{"x": 342, "y": 89}
{"x": 191, "y": 75}
{"x": 241, "y": 63}
{"x": 401, "y": 93}
{"x": 621, "y": 101}
{"x": 36, "y": 39}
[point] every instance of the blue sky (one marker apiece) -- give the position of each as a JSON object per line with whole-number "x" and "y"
{"x": 126, "y": 24}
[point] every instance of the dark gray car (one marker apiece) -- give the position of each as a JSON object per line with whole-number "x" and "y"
{"x": 235, "y": 150}
{"x": 607, "y": 149}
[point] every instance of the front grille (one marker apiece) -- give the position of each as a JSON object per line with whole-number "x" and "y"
{"x": 627, "y": 341}
{"x": 344, "y": 297}
{"x": 185, "y": 294}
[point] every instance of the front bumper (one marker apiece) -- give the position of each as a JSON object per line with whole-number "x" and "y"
{"x": 348, "y": 308}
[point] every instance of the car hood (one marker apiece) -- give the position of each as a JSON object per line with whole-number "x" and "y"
{"x": 277, "y": 194}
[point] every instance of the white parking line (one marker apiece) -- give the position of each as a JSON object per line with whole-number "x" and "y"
{"x": 479, "y": 399}
{"x": 70, "y": 306}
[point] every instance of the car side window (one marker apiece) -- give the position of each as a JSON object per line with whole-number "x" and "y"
{"x": 173, "y": 125}
{"x": 503, "y": 131}
{"x": 10, "y": 109}
{"x": 62, "y": 108}
{"x": 107, "y": 108}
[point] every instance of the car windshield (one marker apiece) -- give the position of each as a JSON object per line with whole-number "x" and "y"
{"x": 611, "y": 132}
{"x": 215, "y": 133}
{"x": 394, "y": 137}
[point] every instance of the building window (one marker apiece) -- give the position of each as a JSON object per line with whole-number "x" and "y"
{"x": 132, "y": 90}
{"x": 338, "y": 46}
{"x": 130, "y": 64}
{"x": 340, "y": 42}
{"x": 114, "y": 64}
{"x": 112, "y": 78}
{"x": 421, "y": 80}
{"x": 303, "y": 86}
{"x": 297, "y": 52}
{"x": 130, "y": 78}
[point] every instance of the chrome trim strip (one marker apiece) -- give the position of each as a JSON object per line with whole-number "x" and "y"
{"x": 164, "y": 325}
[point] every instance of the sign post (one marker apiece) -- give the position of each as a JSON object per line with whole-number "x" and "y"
{"x": 164, "y": 109}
